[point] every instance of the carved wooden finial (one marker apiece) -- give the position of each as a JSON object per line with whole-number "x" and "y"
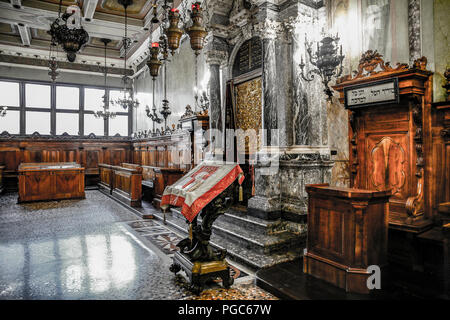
{"x": 421, "y": 64}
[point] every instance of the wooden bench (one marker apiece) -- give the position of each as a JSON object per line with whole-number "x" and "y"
{"x": 122, "y": 182}
{"x": 2, "y": 168}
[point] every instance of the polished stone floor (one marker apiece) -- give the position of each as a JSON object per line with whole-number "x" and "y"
{"x": 87, "y": 249}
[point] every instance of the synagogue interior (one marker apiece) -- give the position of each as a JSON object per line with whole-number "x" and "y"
{"x": 224, "y": 149}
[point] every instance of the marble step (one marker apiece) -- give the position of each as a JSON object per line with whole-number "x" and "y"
{"x": 248, "y": 238}
{"x": 236, "y": 252}
{"x": 248, "y": 222}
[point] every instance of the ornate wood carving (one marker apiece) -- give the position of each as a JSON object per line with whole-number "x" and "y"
{"x": 369, "y": 63}
{"x": 415, "y": 204}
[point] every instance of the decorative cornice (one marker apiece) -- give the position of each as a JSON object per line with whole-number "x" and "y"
{"x": 63, "y": 65}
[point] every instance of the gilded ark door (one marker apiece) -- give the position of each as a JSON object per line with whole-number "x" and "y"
{"x": 249, "y": 111}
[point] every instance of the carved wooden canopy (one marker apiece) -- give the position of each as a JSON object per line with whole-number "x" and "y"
{"x": 372, "y": 67}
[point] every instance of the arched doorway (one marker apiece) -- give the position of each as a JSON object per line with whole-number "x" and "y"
{"x": 244, "y": 105}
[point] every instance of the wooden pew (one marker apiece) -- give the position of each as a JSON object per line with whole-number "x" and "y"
{"x": 122, "y": 182}
{"x": 127, "y": 184}
{"x": 106, "y": 177}
{"x": 1, "y": 178}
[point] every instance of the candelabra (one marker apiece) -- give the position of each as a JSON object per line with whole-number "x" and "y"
{"x": 52, "y": 63}
{"x": 326, "y": 60}
{"x": 105, "y": 113}
{"x": 153, "y": 115}
{"x": 3, "y": 111}
{"x": 128, "y": 101}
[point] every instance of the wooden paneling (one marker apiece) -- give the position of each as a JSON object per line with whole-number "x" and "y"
{"x": 88, "y": 153}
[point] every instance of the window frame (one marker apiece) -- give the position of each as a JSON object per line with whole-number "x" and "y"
{"x": 53, "y": 110}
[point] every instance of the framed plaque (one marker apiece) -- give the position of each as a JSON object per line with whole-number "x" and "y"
{"x": 374, "y": 93}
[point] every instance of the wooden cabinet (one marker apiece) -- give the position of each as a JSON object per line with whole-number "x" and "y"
{"x": 347, "y": 232}
{"x": 390, "y": 143}
{"x": 50, "y": 181}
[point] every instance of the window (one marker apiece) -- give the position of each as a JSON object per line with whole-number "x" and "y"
{"x": 118, "y": 125}
{"x": 10, "y": 94}
{"x": 37, "y": 121}
{"x": 67, "y": 98}
{"x": 93, "y": 125}
{"x": 93, "y": 99}
{"x": 37, "y": 96}
{"x": 11, "y": 122}
{"x": 67, "y": 122}
{"x": 49, "y": 108}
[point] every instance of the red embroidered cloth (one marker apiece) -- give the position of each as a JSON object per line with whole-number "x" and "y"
{"x": 200, "y": 186}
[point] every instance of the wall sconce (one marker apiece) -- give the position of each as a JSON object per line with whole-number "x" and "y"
{"x": 326, "y": 59}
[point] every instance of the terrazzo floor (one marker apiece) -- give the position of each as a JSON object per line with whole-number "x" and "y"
{"x": 95, "y": 249}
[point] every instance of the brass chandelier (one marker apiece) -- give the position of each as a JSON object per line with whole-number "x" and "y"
{"x": 128, "y": 101}
{"x": 171, "y": 35}
{"x": 105, "y": 113}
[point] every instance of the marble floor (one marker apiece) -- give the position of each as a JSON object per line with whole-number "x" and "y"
{"x": 88, "y": 249}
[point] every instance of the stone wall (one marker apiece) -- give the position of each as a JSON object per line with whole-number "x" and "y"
{"x": 441, "y": 46}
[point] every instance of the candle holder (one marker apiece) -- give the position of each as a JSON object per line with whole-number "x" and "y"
{"x": 197, "y": 32}
{"x": 3, "y": 111}
{"x": 326, "y": 59}
{"x": 173, "y": 32}
{"x": 154, "y": 64}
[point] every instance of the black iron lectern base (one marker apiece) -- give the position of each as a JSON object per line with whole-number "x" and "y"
{"x": 201, "y": 272}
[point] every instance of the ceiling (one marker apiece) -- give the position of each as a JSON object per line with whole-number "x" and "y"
{"x": 24, "y": 25}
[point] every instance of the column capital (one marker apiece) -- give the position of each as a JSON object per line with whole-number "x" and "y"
{"x": 216, "y": 57}
{"x": 269, "y": 29}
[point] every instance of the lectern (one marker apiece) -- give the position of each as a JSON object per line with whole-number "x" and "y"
{"x": 347, "y": 233}
{"x": 206, "y": 190}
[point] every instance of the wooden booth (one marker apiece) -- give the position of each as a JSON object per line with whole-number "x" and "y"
{"x": 50, "y": 181}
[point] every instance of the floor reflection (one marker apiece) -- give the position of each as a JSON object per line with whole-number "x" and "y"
{"x": 73, "y": 267}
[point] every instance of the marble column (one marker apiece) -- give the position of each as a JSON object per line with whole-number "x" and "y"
{"x": 297, "y": 110}
{"x": 415, "y": 46}
{"x": 215, "y": 59}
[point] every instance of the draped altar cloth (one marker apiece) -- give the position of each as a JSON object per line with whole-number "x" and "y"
{"x": 200, "y": 186}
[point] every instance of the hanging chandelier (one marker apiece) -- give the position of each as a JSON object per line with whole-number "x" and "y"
{"x": 153, "y": 63}
{"x": 105, "y": 113}
{"x": 173, "y": 32}
{"x": 128, "y": 101}
{"x": 67, "y": 31}
{"x": 52, "y": 63}
{"x": 197, "y": 32}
